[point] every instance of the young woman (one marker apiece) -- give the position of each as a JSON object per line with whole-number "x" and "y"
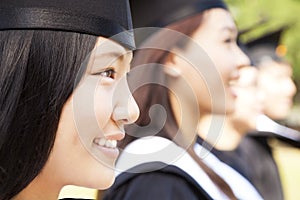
{"x": 64, "y": 94}
{"x": 178, "y": 86}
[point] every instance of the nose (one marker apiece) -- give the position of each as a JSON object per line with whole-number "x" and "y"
{"x": 242, "y": 59}
{"x": 291, "y": 88}
{"x": 126, "y": 110}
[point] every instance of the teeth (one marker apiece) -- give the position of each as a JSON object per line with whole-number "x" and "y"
{"x": 106, "y": 143}
{"x": 111, "y": 143}
{"x": 102, "y": 142}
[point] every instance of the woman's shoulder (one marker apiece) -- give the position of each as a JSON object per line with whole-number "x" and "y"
{"x": 147, "y": 150}
{"x": 169, "y": 182}
{"x": 157, "y": 166}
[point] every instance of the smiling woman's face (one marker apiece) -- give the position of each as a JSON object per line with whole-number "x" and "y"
{"x": 248, "y": 102}
{"x": 92, "y": 121}
{"x": 217, "y": 36}
{"x": 276, "y": 83}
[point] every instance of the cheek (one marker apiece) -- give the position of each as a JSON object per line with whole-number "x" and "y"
{"x": 215, "y": 97}
{"x": 73, "y": 161}
{"x": 103, "y": 106}
{"x": 272, "y": 92}
{"x": 76, "y": 166}
{"x": 223, "y": 58}
{"x": 226, "y": 71}
{"x": 212, "y": 98}
{"x": 201, "y": 89}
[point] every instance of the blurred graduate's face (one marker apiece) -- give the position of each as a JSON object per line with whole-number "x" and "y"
{"x": 217, "y": 35}
{"x": 93, "y": 119}
{"x": 275, "y": 81}
{"x": 249, "y": 100}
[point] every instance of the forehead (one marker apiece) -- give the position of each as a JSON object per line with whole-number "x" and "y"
{"x": 219, "y": 19}
{"x": 108, "y": 46}
{"x": 108, "y": 52}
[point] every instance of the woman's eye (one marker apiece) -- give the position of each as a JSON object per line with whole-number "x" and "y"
{"x": 228, "y": 40}
{"x": 109, "y": 73}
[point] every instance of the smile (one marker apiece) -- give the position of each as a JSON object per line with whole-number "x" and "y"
{"x": 105, "y": 143}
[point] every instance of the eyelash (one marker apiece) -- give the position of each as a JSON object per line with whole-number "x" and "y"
{"x": 228, "y": 40}
{"x": 109, "y": 73}
{"x": 231, "y": 39}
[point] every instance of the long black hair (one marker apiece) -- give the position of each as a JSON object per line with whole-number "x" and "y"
{"x": 153, "y": 94}
{"x": 38, "y": 69}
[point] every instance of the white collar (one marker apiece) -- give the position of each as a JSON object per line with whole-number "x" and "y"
{"x": 154, "y": 148}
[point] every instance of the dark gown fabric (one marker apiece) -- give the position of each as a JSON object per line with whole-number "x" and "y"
{"x": 74, "y": 199}
{"x": 254, "y": 160}
{"x": 168, "y": 183}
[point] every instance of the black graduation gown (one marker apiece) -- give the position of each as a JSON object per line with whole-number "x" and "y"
{"x": 74, "y": 199}
{"x": 254, "y": 160}
{"x": 168, "y": 183}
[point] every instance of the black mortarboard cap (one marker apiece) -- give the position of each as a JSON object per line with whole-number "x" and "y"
{"x": 264, "y": 47}
{"x": 96, "y": 17}
{"x": 160, "y": 13}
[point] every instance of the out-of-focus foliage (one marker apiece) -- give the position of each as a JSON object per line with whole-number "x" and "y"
{"x": 276, "y": 13}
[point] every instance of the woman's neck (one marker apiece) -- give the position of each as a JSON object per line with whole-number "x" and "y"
{"x": 186, "y": 117}
{"x": 40, "y": 188}
{"x": 219, "y": 131}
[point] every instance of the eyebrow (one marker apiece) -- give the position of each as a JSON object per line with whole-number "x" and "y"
{"x": 110, "y": 57}
{"x": 113, "y": 55}
{"x": 110, "y": 47}
{"x": 230, "y": 28}
{"x": 116, "y": 55}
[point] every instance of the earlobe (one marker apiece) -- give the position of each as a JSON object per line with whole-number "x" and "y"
{"x": 172, "y": 71}
{"x": 171, "y": 68}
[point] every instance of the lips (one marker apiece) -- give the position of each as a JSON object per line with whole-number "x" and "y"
{"x": 232, "y": 84}
{"x": 231, "y": 89}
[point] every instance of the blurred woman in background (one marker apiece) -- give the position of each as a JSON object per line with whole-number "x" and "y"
{"x": 176, "y": 80}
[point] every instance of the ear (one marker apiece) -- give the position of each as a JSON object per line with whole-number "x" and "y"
{"x": 172, "y": 66}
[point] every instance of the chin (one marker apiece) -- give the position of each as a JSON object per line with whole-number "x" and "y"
{"x": 280, "y": 114}
{"x": 105, "y": 185}
{"x": 228, "y": 105}
{"x": 98, "y": 177}
{"x": 279, "y": 117}
{"x": 106, "y": 179}
{"x": 100, "y": 183}
{"x": 230, "y": 108}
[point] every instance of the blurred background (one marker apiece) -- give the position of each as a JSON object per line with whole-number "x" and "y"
{"x": 256, "y": 18}
{"x": 260, "y": 17}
